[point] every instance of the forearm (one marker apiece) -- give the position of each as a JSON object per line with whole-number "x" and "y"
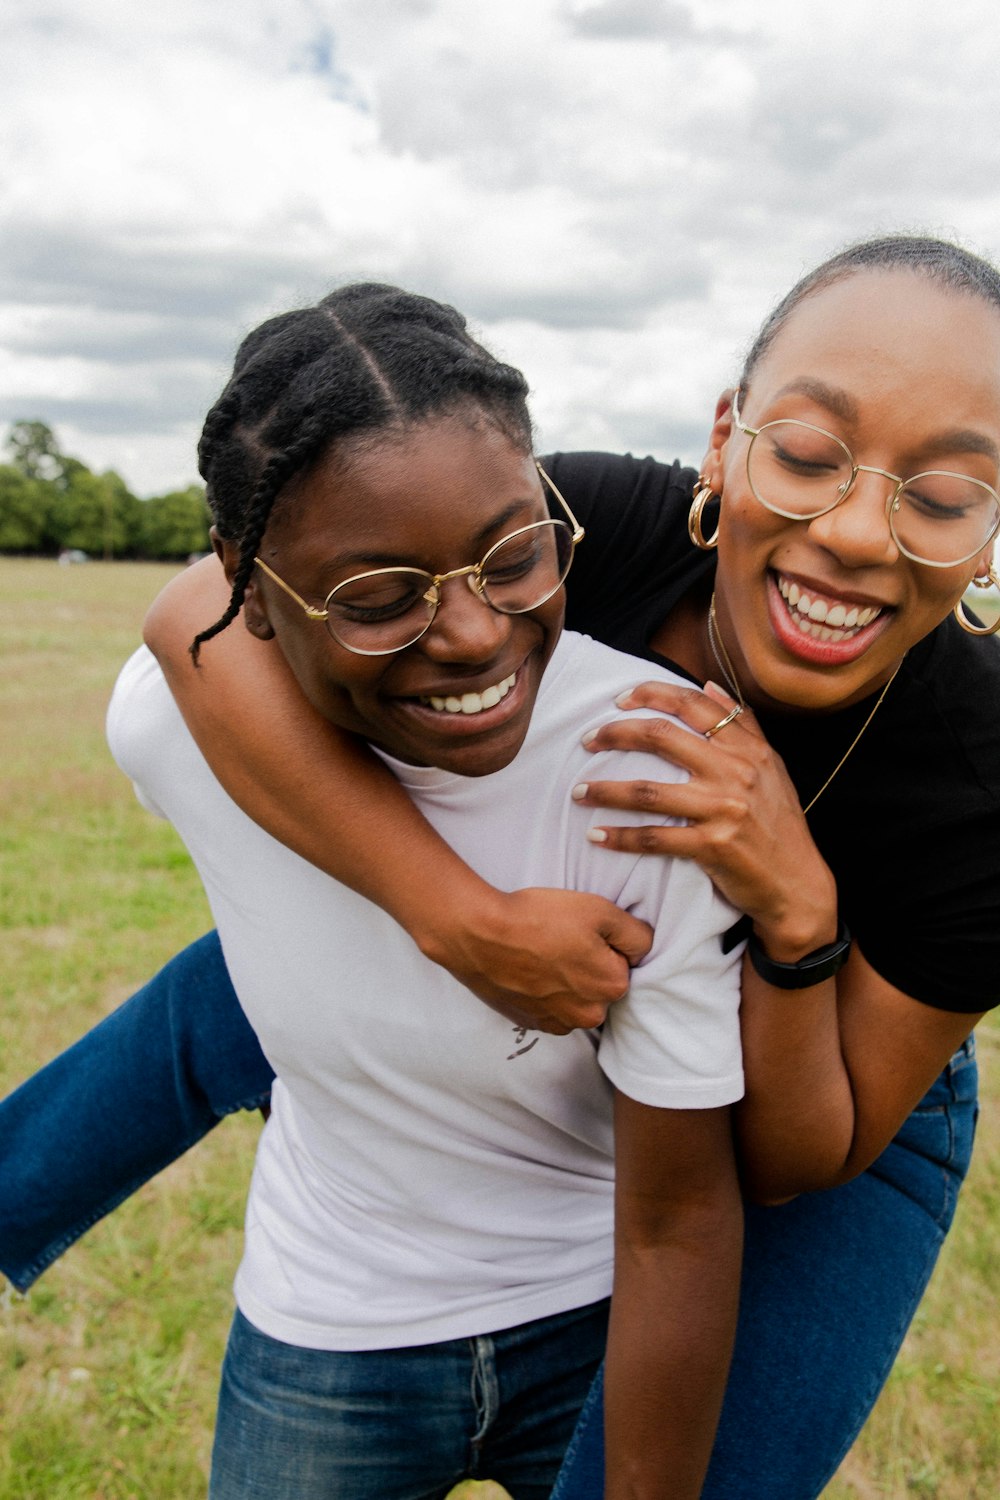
{"x": 673, "y": 1320}
{"x": 678, "y": 1243}
{"x": 795, "y": 1124}
{"x": 832, "y": 1071}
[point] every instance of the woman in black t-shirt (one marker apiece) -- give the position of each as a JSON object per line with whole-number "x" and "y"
{"x": 842, "y": 776}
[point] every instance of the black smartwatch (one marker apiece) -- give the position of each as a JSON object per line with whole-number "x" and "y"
{"x": 821, "y": 963}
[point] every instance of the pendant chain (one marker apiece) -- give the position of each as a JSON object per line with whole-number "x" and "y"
{"x": 721, "y": 655}
{"x": 728, "y": 671}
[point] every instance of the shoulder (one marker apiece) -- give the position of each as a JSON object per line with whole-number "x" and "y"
{"x": 635, "y": 557}
{"x": 580, "y": 688}
{"x": 141, "y": 711}
{"x": 151, "y": 743}
{"x": 605, "y": 486}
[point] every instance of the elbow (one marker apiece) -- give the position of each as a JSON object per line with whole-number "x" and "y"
{"x": 770, "y": 1182}
{"x": 780, "y": 1160}
{"x": 763, "y": 1195}
{"x": 650, "y": 1228}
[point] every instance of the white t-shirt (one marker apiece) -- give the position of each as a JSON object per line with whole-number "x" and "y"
{"x": 429, "y": 1172}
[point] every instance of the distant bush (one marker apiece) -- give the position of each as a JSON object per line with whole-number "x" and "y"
{"x": 51, "y": 503}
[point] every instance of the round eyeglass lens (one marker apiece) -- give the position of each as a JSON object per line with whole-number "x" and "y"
{"x": 381, "y": 611}
{"x": 797, "y": 470}
{"x": 527, "y": 567}
{"x": 943, "y": 518}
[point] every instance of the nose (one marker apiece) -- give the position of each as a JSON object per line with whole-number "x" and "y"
{"x": 465, "y": 628}
{"x": 856, "y": 531}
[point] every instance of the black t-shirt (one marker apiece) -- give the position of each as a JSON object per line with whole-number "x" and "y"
{"x": 910, "y": 826}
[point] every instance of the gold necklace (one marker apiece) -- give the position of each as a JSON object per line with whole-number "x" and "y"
{"x": 725, "y": 666}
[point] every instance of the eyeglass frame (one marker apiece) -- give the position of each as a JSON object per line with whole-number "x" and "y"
{"x": 473, "y": 574}
{"x": 891, "y": 504}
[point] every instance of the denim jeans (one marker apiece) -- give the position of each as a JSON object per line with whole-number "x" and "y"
{"x": 830, "y": 1284}
{"x": 121, "y": 1104}
{"x": 402, "y": 1424}
{"x": 830, "y": 1281}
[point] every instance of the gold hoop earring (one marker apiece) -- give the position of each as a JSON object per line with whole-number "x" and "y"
{"x": 703, "y": 495}
{"x": 991, "y": 581}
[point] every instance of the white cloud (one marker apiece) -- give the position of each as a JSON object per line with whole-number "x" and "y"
{"x": 615, "y": 189}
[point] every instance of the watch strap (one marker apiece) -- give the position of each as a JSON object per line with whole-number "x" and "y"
{"x": 822, "y": 963}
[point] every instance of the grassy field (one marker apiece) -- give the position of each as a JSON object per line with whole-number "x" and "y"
{"x": 108, "y": 1367}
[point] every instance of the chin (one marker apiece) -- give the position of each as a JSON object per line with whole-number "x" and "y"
{"x": 800, "y": 688}
{"x": 480, "y": 760}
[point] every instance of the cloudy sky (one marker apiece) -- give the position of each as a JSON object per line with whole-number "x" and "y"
{"x": 613, "y": 190}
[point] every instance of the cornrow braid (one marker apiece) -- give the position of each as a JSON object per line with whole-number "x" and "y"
{"x": 943, "y": 261}
{"x": 368, "y": 358}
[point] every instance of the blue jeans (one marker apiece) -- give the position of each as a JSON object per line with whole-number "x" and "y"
{"x": 830, "y": 1284}
{"x": 121, "y": 1104}
{"x": 402, "y": 1424}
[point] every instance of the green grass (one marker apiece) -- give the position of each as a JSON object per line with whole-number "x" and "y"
{"x": 108, "y": 1368}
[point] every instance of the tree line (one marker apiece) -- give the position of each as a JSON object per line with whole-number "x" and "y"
{"x": 51, "y": 503}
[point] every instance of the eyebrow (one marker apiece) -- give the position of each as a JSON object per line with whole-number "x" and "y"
{"x": 835, "y": 400}
{"x": 375, "y": 560}
{"x": 954, "y": 440}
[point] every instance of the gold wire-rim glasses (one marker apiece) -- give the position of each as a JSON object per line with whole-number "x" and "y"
{"x": 474, "y": 574}
{"x": 893, "y": 503}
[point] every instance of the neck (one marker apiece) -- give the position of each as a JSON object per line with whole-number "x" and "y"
{"x": 683, "y": 636}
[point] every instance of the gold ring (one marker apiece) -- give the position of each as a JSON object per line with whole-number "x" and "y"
{"x": 733, "y": 713}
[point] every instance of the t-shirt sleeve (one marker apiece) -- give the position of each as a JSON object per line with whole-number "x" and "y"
{"x": 675, "y": 1042}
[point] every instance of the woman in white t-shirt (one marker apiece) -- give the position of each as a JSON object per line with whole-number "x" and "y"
{"x": 438, "y": 1198}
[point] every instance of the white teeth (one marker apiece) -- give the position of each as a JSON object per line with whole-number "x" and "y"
{"x": 473, "y": 703}
{"x": 822, "y": 621}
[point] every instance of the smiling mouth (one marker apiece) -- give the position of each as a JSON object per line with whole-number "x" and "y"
{"x": 472, "y": 703}
{"x": 825, "y": 619}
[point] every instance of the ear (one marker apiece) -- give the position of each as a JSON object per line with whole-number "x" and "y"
{"x": 255, "y": 616}
{"x": 714, "y": 465}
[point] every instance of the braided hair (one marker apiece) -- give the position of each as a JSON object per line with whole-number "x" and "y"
{"x": 941, "y": 261}
{"x": 366, "y": 359}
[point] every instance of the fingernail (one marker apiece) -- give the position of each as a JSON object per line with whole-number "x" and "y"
{"x": 589, "y": 737}
{"x": 624, "y": 699}
{"x": 580, "y": 791}
{"x": 596, "y": 836}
